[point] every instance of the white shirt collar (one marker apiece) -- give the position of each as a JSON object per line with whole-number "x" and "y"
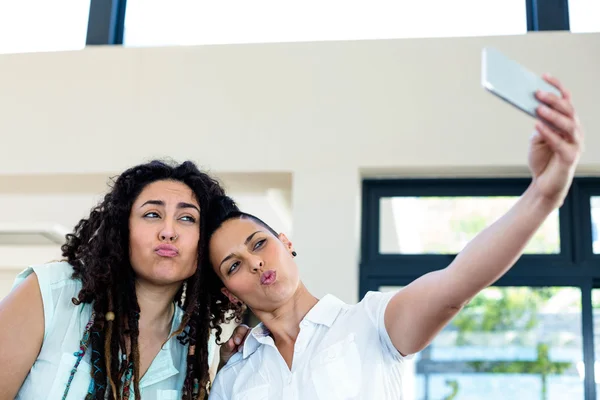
{"x": 324, "y": 312}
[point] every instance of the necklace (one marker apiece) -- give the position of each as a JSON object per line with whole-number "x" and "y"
{"x": 83, "y": 346}
{"x": 127, "y": 374}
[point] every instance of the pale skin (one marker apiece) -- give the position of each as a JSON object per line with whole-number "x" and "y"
{"x": 165, "y": 212}
{"x": 242, "y": 250}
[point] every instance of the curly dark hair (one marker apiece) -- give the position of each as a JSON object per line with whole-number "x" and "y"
{"x": 223, "y": 208}
{"x": 98, "y": 250}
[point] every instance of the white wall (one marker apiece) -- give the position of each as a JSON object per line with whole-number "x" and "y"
{"x": 326, "y": 113}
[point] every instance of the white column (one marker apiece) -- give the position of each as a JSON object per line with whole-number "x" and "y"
{"x": 326, "y": 220}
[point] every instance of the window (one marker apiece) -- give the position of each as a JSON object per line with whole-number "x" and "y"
{"x": 444, "y": 225}
{"x": 191, "y": 22}
{"x": 535, "y": 333}
{"x": 509, "y": 342}
{"x": 43, "y": 25}
{"x": 584, "y": 15}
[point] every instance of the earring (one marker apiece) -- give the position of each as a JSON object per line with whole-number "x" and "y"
{"x": 237, "y": 306}
{"x": 183, "y": 292}
{"x": 294, "y": 254}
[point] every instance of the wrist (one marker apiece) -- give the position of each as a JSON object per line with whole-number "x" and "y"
{"x": 540, "y": 201}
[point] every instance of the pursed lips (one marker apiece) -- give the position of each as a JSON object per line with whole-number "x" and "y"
{"x": 268, "y": 277}
{"x": 166, "y": 250}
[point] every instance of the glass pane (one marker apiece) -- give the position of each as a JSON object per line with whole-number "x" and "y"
{"x": 596, "y": 310}
{"x": 444, "y": 225}
{"x": 192, "y": 22}
{"x": 595, "y": 209}
{"x": 389, "y": 288}
{"x": 584, "y": 15}
{"x": 43, "y": 25}
{"x": 508, "y": 343}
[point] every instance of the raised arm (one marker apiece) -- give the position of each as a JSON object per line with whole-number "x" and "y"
{"x": 416, "y": 314}
{"x": 21, "y": 335}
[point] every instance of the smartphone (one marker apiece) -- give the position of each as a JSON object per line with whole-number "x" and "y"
{"x": 511, "y": 81}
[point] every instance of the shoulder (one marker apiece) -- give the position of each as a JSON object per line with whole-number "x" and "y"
{"x": 372, "y": 305}
{"x": 51, "y": 274}
{"x": 377, "y": 297}
{"x": 57, "y": 288}
{"x": 374, "y": 301}
{"x": 367, "y": 318}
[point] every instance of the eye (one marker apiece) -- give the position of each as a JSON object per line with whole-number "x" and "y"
{"x": 233, "y": 267}
{"x": 188, "y": 218}
{"x": 259, "y": 244}
{"x": 151, "y": 215}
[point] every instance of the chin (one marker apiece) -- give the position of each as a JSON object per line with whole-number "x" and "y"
{"x": 167, "y": 275}
{"x": 280, "y": 297}
{"x": 168, "y": 280}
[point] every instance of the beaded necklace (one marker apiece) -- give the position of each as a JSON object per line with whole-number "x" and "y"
{"x": 83, "y": 346}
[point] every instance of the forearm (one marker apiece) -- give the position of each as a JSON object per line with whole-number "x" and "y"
{"x": 419, "y": 311}
{"x": 495, "y": 250}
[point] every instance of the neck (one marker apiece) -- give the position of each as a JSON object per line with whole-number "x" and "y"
{"x": 284, "y": 322}
{"x": 156, "y": 306}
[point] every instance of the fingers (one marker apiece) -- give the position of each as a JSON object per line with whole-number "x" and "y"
{"x": 235, "y": 342}
{"x": 560, "y": 104}
{"x": 557, "y": 113}
{"x": 557, "y": 84}
{"x": 237, "y": 339}
{"x": 553, "y": 139}
{"x": 245, "y": 330}
{"x": 240, "y": 333}
{"x": 564, "y": 124}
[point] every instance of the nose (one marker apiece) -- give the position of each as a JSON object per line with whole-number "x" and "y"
{"x": 256, "y": 264}
{"x": 167, "y": 233}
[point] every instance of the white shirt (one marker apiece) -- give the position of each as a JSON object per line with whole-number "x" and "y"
{"x": 342, "y": 352}
{"x": 64, "y": 326}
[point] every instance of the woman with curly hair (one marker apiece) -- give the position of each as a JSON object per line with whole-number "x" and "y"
{"x": 125, "y": 315}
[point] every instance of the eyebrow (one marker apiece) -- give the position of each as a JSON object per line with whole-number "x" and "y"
{"x": 248, "y": 239}
{"x": 162, "y": 203}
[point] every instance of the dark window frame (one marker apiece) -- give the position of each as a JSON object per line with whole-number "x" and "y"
{"x": 575, "y": 266}
{"x": 547, "y": 15}
{"x": 106, "y": 24}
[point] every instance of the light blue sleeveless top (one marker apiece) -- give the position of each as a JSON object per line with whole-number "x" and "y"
{"x": 64, "y": 326}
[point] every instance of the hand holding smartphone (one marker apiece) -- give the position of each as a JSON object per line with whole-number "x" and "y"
{"x": 512, "y": 82}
